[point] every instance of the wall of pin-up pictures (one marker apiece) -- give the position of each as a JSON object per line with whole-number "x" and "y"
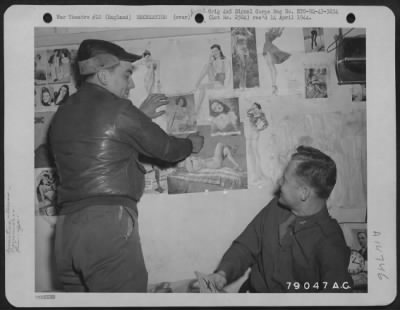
{"x": 255, "y": 94}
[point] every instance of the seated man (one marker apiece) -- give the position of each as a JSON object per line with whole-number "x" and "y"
{"x": 292, "y": 245}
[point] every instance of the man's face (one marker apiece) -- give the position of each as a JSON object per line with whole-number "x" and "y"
{"x": 289, "y": 187}
{"x": 362, "y": 239}
{"x": 119, "y": 80}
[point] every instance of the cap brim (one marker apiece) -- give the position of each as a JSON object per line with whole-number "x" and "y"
{"x": 104, "y": 61}
{"x": 129, "y": 57}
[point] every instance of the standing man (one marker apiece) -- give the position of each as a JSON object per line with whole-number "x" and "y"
{"x": 292, "y": 245}
{"x": 96, "y": 138}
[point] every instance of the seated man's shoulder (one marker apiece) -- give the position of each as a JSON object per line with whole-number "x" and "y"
{"x": 332, "y": 235}
{"x": 273, "y": 203}
{"x": 330, "y": 227}
{"x": 273, "y": 207}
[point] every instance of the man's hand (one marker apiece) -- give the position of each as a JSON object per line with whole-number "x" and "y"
{"x": 218, "y": 279}
{"x": 197, "y": 142}
{"x": 152, "y": 103}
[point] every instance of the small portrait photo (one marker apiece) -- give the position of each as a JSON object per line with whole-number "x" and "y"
{"x": 61, "y": 93}
{"x": 316, "y": 83}
{"x": 180, "y": 114}
{"x": 59, "y": 63}
{"x": 45, "y": 187}
{"x": 244, "y": 58}
{"x": 40, "y": 67}
{"x": 313, "y": 39}
{"x": 358, "y": 92}
{"x": 356, "y": 237}
{"x": 362, "y": 242}
{"x": 224, "y": 116}
{"x": 44, "y": 98}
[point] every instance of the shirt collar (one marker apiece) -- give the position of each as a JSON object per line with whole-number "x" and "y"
{"x": 311, "y": 219}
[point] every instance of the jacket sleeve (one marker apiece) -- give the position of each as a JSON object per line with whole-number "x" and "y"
{"x": 244, "y": 249}
{"x": 137, "y": 129}
{"x": 334, "y": 258}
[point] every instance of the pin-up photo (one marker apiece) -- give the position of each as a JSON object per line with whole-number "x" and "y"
{"x": 46, "y": 198}
{"x": 244, "y": 58}
{"x": 62, "y": 92}
{"x": 44, "y": 98}
{"x": 356, "y": 237}
{"x": 40, "y": 67}
{"x": 224, "y": 116}
{"x": 59, "y": 65}
{"x": 220, "y": 165}
{"x": 358, "y": 92}
{"x": 316, "y": 83}
{"x": 180, "y": 114}
{"x": 314, "y": 39}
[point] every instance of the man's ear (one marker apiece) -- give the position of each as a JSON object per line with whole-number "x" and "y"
{"x": 102, "y": 76}
{"x": 305, "y": 192}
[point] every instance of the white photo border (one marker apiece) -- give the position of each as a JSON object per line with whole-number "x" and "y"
{"x": 19, "y": 24}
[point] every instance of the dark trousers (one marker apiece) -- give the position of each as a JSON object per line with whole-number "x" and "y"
{"x": 98, "y": 249}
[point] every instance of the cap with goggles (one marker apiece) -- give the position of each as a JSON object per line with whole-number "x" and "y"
{"x": 94, "y": 55}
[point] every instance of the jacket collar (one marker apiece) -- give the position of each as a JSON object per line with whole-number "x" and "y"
{"x": 88, "y": 86}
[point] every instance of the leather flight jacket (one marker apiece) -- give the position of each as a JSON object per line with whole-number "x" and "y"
{"x": 96, "y": 138}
